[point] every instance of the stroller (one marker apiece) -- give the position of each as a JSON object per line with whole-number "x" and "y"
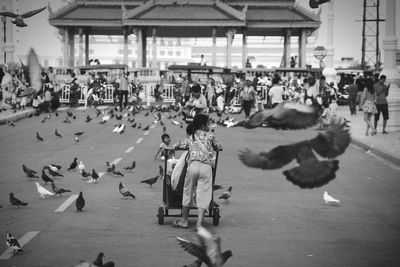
{"x": 172, "y": 199}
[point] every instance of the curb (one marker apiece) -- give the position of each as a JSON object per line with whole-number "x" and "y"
{"x": 17, "y": 116}
{"x": 379, "y": 152}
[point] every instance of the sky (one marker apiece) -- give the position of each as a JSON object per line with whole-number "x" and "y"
{"x": 347, "y": 30}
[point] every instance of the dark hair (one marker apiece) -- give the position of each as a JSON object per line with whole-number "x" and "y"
{"x": 383, "y": 77}
{"x": 189, "y": 129}
{"x": 163, "y": 136}
{"x": 369, "y": 83}
{"x": 195, "y": 88}
{"x": 198, "y": 121}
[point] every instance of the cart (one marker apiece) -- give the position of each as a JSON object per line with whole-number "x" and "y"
{"x": 172, "y": 200}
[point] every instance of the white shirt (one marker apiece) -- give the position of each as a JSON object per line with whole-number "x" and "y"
{"x": 276, "y": 93}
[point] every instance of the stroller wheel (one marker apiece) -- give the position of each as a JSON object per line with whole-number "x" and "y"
{"x": 216, "y": 216}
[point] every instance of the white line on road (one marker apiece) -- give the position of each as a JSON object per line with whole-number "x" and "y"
{"x": 8, "y": 253}
{"x": 116, "y": 161}
{"x": 66, "y": 203}
{"x": 153, "y": 126}
{"x": 129, "y": 149}
{"x": 100, "y": 174}
{"x": 139, "y": 140}
{"x": 146, "y": 132}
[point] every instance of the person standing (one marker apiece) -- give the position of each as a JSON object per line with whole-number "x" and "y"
{"x": 123, "y": 90}
{"x": 368, "y": 105}
{"x": 203, "y": 61}
{"x": 276, "y": 92}
{"x": 352, "y": 89}
{"x": 360, "y": 92}
{"x": 381, "y": 91}
{"x": 198, "y": 102}
{"x": 248, "y": 96}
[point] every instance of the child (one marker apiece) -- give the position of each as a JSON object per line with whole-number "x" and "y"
{"x": 166, "y": 140}
{"x": 201, "y": 161}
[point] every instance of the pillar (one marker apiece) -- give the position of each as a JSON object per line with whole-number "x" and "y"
{"x": 214, "y": 46}
{"x": 329, "y": 71}
{"x": 87, "y": 47}
{"x": 65, "y": 40}
{"x": 154, "y": 47}
{"x": 390, "y": 46}
{"x": 71, "y": 46}
{"x": 302, "y": 48}
{"x": 244, "y": 48}
{"x": 80, "y": 45}
{"x": 126, "y": 35}
{"x": 229, "y": 34}
{"x": 286, "y": 48}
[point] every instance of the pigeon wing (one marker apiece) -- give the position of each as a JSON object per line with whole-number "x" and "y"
{"x": 34, "y": 71}
{"x": 8, "y": 14}
{"x": 333, "y": 142}
{"x": 33, "y": 12}
{"x": 212, "y": 245}
{"x": 290, "y": 115}
{"x": 194, "y": 249}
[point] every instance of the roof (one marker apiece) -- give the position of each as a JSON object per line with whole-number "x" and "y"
{"x": 174, "y": 18}
{"x": 197, "y": 68}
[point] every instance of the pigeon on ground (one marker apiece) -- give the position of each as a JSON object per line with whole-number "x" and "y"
{"x": 55, "y": 167}
{"x": 38, "y": 137}
{"x": 133, "y": 125}
{"x": 73, "y": 164}
{"x": 11, "y": 123}
{"x": 76, "y": 139}
{"x": 85, "y": 174}
{"x": 78, "y": 133}
{"x": 146, "y": 128}
{"x": 19, "y": 18}
{"x": 98, "y": 112}
{"x": 164, "y": 129}
{"x": 139, "y": 126}
{"x": 121, "y": 129}
{"x": 217, "y": 187}
{"x": 110, "y": 168}
{"x": 124, "y": 193}
{"x": 58, "y": 191}
{"x": 43, "y": 191}
{"x": 66, "y": 120}
{"x": 53, "y": 173}
{"x": 150, "y": 181}
{"x": 130, "y": 167}
{"x": 28, "y": 170}
{"x": 31, "y": 174}
{"x": 227, "y": 194}
{"x": 12, "y": 243}
{"x": 80, "y": 202}
{"x": 329, "y": 200}
{"x": 1, "y": 206}
{"x": 16, "y": 202}
{"x": 118, "y": 173}
{"x": 46, "y": 178}
{"x": 81, "y": 167}
{"x": 95, "y": 176}
{"x": 116, "y": 128}
{"x": 286, "y": 115}
{"x": 310, "y": 172}
{"x": 99, "y": 261}
{"x": 209, "y": 250}
{"x": 88, "y": 119}
{"x": 57, "y": 134}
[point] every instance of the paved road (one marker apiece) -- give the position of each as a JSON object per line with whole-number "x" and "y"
{"x": 268, "y": 222}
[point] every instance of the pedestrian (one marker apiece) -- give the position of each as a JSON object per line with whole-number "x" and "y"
{"x": 369, "y": 106}
{"x": 381, "y": 91}
{"x": 352, "y": 90}
{"x": 203, "y": 61}
{"x": 164, "y": 147}
{"x": 360, "y": 92}
{"x": 123, "y": 90}
{"x": 276, "y": 92}
{"x": 199, "y": 174}
{"x": 247, "y": 95}
{"x": 197, "y": 103}
{"x": 47, "y": 100}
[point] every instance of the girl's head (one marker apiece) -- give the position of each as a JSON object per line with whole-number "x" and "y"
{"x": 165, "y": 138}
{"x": 200, "y": 122}
{"x": 369, "y": 83}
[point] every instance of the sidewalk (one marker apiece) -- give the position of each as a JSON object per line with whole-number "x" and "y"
{"x": 386, "y": 146}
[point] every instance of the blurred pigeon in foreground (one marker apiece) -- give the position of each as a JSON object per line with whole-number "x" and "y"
{"x": 42, "y": 191}
{"x": 12, "y": 243}
{"x": 80, "y": 202}
{"x": 125, "y": 192}
{"x": 329, "y": 200}
{"x": 16, "y": 202}
{"x": 310, "y": 172}
{"x": 209, "y": 250}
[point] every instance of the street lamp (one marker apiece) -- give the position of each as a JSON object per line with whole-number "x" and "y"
{"x": 4, "y": 20}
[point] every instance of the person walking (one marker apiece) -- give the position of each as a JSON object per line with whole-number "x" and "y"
{"x": 352, "y": 89}
{"x": 123, "y": 90}
{"x": 381, "y": 91}
{"x": 360, "y": 92}
{"x": 248, "y": 96}
{"x": 368, "y": 105}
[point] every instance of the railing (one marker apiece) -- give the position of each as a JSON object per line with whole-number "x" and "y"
{"x": 65, "y": 93}
{"x": 169, "y": 92}
{"x": 147, "y": 94}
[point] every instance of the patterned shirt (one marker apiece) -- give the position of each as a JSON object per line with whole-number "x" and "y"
{"x": 201, "y": 148}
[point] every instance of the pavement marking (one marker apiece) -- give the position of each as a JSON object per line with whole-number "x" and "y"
{"x": 100, "y": 174}
{"x": 66, "y": 203}
{"x": 146, "y": 132}
{"x": 8, "y": 253}
{"x": 81, "y": 108}
{"x": 116, "y": 161}
{"x": 139, "y": 140}
{"x": 129, "y": 149}
{"x": 62, "y": 108}
{"x": 153, "y": 126}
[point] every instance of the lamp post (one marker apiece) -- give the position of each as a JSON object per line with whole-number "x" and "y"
{"x": 4, "y": 20}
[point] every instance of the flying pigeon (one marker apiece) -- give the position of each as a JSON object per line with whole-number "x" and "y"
{"x": 227, "y": 194}
{"x": 38, "y": 137}
{"x": 43, "y": 191}
{"x": 329, "y": 200}
{"x": 19, "y": 18}
{"x": 16, "y": 202}
{"x": 99, "y": 261}
{"x": 80, "y": 202}
{"x": 46, "y": 178}
{"x": 124, "y": 193}
{"x": 209, "y": 250}
{"x": 81, "y": 167}
{"x": 286, "y": 115}
{"x": 57, "y": 134}
{"x": 73, "y": 164}
{"x": 310, "y": 172}
{"x": 130, "y": 167}
{"x": 53, "y": 173}
{"x": 150, "y": 181}
{"x": 12, "y": 243}
{"x": 58, "y": 191}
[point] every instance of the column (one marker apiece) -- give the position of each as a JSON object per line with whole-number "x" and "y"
{"x": 286, "y": 48}
{"x": 329, "y": 71}
{"x": 9, "y": 47}
{"x": 390, "y": 46}
{"x": 126, "y": 35}
{"x": 80, "y": 49}
{"x": 229, "y": 34}
{"x": 214, "y": 46}
{"x": 71, "y": 46}
{"x": 87, "y": 47}
{"x": 302, "y": 48}
{"x": 65, "y": 40}
{"x": 244, "y": 48}
{"x": 154, "y": 47}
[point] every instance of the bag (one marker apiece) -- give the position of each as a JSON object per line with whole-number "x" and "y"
{"x": 179, "y": 173}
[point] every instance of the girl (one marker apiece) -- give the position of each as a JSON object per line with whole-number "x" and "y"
{"x": 368, "y": 105}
